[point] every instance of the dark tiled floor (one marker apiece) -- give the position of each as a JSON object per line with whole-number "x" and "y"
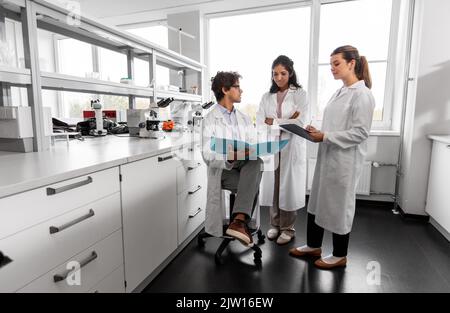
{"x": 412, "y": 257}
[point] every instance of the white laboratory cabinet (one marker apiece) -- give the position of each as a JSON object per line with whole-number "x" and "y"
{"x": 163, "y": 204}
{"x": 149, "y": 206}
{"x": 438, "y": 198}
{"x": 47, "y": 229}
{"x": 191, "y": 194}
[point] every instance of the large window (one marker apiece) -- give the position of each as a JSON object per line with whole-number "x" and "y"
{"x": 75, "y": 57}
{"x": 249, "y": 43}
{"x": 112, "y": 65}
{"x": 364, "y": 24}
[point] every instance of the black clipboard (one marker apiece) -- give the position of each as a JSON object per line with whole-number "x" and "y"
{"x": 297, "y": 130}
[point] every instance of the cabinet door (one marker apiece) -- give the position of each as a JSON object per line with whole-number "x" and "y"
{"x": 149, "y": 204}
{"x": 438, "y": 198}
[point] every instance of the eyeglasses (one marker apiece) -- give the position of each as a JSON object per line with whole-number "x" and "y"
{"x": 236, "y": 86}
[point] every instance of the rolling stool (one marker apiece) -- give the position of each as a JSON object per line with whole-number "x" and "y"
{"x": 227, "y": 239}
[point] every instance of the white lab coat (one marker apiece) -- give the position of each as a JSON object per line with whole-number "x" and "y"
{"x": 214, "y": 125}
{"x": 293, "y": 156}
{"x": 346, "y": 125}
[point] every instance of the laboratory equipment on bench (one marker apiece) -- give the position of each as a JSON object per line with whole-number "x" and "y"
{"x": 109, "y": 114}
{"x": 195, "y": 115}
{"x": 150, "y": 128}
{"x": 164, "y": 102}
{"x": 168, "y": 125}
{"x": 99, "y": 130}
{"x": 134, "y": 118}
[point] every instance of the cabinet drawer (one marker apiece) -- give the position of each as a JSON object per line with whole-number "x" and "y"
{"x": 100, "y": 260}
{"x": 30, "y": 208}
{"x": 192, "y": 173}
{"x": 36, "y": 250}
{"x": 113, "y": 283}
{"x": 191, "y": 212}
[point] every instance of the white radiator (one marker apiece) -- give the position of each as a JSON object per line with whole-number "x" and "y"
{"x": 363, "y": 187}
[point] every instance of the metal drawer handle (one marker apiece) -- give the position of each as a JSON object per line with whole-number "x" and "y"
{"x": 162, "y": 159}
{"x": 190, "y": 168}
{"x": 192, "y": 192}
{"x": 63, "y": 276}
{"x": 54, "y": 191}
{"x": 193, "y": 215}
{"x": 4, "y": 259}
{"x": 55, "y": 229}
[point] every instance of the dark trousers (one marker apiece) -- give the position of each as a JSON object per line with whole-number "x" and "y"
{"x": 314, "y": 237}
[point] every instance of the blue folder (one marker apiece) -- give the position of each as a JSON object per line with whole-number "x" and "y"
{"x": 220, "y": 145}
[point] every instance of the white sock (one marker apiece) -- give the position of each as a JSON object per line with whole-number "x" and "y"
{"x": 305, "y": 248}
{"x": 331, "y": 259}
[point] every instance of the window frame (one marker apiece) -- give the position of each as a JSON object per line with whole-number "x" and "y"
{"x": 206, "y": 29}
{"x": 386, "y": 124}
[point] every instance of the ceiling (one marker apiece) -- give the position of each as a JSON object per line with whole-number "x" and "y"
{"x": 122, "y": 13}
{"x": 108, "y": 8}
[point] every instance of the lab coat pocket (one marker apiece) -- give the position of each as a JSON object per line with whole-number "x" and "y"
{"x": 339, "y": 166}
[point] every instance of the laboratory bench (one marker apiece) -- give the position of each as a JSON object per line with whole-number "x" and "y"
{"x": 117, "y": 208}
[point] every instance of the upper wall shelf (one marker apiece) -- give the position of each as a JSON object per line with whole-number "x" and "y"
{"x": 63, "y": 82}
{"x": 15, "y": 76}
{"x": 54, "y": 18}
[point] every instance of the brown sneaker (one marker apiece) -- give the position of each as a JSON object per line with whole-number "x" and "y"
{"x": 238, "y": 229}
{"x": 298, "y": 254}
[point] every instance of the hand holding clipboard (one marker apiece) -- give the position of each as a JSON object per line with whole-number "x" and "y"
{"x": 310, "y": 133}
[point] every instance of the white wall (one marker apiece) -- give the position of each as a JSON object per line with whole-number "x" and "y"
{"x": 428, "y": 110}
{"x": 382, "y": 149}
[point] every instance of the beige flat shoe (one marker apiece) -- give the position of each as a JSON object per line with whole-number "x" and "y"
{"x": 299, "y": 254}
{"x": 326, "y": 266}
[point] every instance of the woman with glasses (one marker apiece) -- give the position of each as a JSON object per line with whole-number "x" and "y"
{"x": 343, "y": 145}
{"x": 284, "y": 179}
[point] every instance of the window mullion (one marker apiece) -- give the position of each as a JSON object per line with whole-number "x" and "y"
{"x": 314, "y": 58}
{"x": 390, "y": 67}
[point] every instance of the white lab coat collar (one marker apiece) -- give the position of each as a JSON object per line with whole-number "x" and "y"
{"x": 344, "y": 89}
{"x": 292, "y": 89}
{"x": 358, "y": 84}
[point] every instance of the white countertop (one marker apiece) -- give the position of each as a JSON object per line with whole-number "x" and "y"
{"x": 440, "y": 138}
{"x": 20, "y": 172}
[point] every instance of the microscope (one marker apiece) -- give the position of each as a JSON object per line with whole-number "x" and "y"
{"x": 150, "y": 128}
{"x": 195, "y": 115}
{"x": 98, "y": 131}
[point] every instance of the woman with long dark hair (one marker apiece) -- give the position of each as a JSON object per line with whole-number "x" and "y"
{"x": 283, "y": 184}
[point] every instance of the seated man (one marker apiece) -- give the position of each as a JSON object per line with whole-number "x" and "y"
{"x": 233, "y": 171}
